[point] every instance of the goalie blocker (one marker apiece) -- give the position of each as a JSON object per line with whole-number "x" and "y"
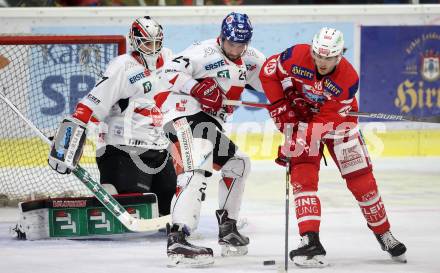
{"x": 67, "y": 145}
{"x": 81, "y": 217}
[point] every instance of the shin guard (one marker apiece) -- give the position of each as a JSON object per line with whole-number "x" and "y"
{"x": 304, "y": 180}
{"x": 365, "y": 191}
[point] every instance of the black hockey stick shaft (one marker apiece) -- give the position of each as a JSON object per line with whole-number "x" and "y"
{"x": 109, "y": 202}
{"x": 431, "y": 119}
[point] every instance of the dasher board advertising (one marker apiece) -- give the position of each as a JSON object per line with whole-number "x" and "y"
{"x": 400, "y": 70}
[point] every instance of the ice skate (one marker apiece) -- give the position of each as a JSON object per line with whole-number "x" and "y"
{"x": 389, "y": 244}
{"x": 310, "y": 252}
{"x": 183, "y": 254}
{"x": 232, "y": 242}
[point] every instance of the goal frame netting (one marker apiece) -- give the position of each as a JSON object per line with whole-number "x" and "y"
{"x": 19, "y": 180}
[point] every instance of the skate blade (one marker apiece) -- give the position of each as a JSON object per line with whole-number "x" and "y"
{"x": 230, "y": 250}
{"x": 317, "y": 261}
{"x": 400, "y": 258}
{"x": 198, "y": 261}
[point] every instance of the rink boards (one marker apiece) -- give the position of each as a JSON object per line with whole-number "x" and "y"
{"x": 258, "y": 146}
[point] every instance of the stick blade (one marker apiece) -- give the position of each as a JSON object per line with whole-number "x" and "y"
{"x": 269, "y": 262}
{"x": 142, "y": 225}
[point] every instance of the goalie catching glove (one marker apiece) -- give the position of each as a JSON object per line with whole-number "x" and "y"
{"x": 67, "y": 145}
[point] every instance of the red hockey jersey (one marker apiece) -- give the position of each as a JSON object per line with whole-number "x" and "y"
{"x": 333, "y": 94}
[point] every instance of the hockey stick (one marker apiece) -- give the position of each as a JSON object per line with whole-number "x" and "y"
{"x": 245, "y": 103}
{"x": 431, "y": 119}
{"x": 131, "y": 223}
{"x": 286, "y": 233}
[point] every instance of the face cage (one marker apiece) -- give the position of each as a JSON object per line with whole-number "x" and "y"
{"x": 151, "y": 51}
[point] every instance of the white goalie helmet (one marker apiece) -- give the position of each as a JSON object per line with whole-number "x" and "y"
{"x": 146, "y": 37}
{"x": 328, "y": 42}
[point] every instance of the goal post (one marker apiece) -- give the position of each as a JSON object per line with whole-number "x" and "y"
{"x": 45, "y": 77}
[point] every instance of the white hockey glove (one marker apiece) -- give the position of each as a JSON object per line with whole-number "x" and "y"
{"x": 67, "y": 145}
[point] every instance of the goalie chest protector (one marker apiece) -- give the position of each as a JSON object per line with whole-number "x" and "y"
{"x": 81, "y": 217}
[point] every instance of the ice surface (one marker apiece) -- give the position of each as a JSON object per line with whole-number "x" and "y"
{"x": 410, "y": 188}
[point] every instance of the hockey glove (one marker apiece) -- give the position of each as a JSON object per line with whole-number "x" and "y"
{"x": 282, "y": 113}
{"x": 67, "y": 145}
{"x": 281, "y": 159}
{"x": 304, "y": 110}
{"x": 209, "y": 95}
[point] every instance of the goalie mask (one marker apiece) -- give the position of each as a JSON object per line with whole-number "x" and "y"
{"x": 146, "y": 37}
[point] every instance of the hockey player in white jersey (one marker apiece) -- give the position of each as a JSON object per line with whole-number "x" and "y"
{"x": 132, "y": 147}
{"x": 201, "y": 77}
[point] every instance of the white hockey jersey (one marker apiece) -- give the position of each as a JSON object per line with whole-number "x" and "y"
{"x": 202, "y": 60}
{"x": 123, "y": 102}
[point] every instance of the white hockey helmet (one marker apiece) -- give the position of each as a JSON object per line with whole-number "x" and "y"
{"x": 328, "y": 42}
{"x": 143, "y": 31}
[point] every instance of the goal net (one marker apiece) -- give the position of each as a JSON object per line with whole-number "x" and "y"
{"x": 45, "y": 77}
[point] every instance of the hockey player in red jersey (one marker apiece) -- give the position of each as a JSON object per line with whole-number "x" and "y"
{"x": 311, "y": 88}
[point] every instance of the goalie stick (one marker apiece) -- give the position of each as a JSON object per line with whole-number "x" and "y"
{"x": 131, "y": 223}
{"x": 431, "y": 119}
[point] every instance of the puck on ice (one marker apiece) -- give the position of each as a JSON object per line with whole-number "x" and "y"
{"x": 269, "y": 262}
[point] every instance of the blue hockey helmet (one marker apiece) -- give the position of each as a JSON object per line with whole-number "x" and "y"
{"x": 236, "y": 27}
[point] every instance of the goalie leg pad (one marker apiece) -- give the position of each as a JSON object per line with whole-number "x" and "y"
{"x": 196, "y": 153}
{"x": 67, "y": 145}
{"x": 186, "y": 203}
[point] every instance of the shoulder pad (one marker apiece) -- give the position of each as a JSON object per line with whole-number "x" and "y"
{"x": 166, "y": 53}
{"x": 253, "y": 52}
{"x": 352, "y": 90}
{"x": 286, "y": 54}
{"x": 350, "y": 79}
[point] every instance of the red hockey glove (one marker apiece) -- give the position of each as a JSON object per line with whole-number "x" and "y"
{"x": 282, "y": 113}
{"x": 304, "y": 111}
{"x": 281, "y": 159}
{"x": 209, "y": 95}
